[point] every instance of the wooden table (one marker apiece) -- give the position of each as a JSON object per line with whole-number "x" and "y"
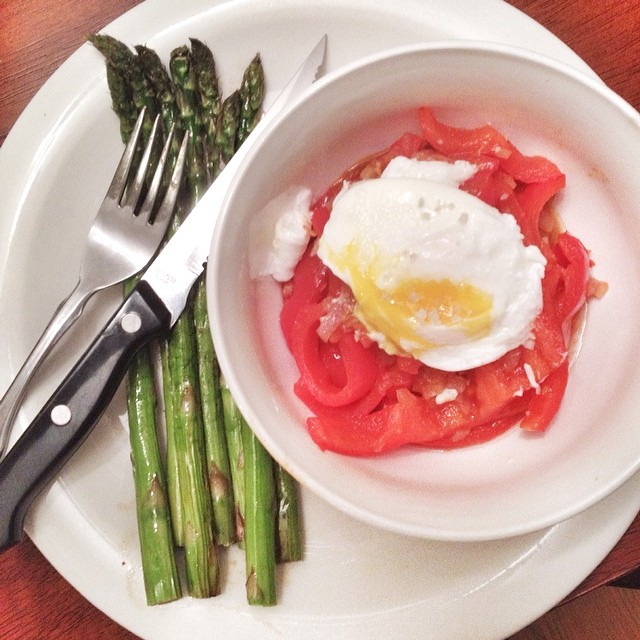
{"x": 36, "y": 36}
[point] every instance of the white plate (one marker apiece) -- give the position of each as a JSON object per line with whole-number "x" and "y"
{"x": 356, "y": 581}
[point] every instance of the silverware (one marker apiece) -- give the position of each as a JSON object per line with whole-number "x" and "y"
{"x": 122, "y": 239}
{"x": 150, "y": 310}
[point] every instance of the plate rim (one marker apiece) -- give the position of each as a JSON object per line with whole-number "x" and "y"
{"x": 39, "y": 529}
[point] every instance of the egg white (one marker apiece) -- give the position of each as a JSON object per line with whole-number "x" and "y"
{"x": 436, "y": 272}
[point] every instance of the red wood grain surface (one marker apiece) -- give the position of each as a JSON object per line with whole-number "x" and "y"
{"x": 36, "y": 36}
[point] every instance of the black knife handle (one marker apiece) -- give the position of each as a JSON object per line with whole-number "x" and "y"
{"x": 75, "y": 407}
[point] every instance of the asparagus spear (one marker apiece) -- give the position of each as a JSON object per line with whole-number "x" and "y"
{"x": 159, "y": 569}
{"x": 228, "y": 122}
{"x": 173, "y": 477}
{"x": 289, "y": 527}
{"x": 183, "y": 75}
{"x": 233, "y": 422}
{"x": 260, "y": 522}
{"x": 220, "y": 484}
{"x": 158, "y": 77}
{"x": 219, "y": 471}
{"x": 200, "y": 552}
{"x": 123, "y": 66}
{"x": 121, "y": 101}
{"x": 129, "y": 92}
{"x": 201, "y": 562}
{"x": 251, "y": 97}
{"x": 208, "y": 86}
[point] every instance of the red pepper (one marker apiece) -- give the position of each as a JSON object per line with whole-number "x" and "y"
{"x": 489, "y": 183}
{"x": 408, "y": 144}
{"x": 479, "y": 433}
{"x": 498, "y": 382}
{"x": 319, "y": 217}
{"x": 529, "y": 169}
{"x": 407, "y": 421}
{"x": 454, "y": 141}
{"x": 574, "y": 258}
{"x": 545, "y": 404}
{"x": 367, "y": 402}
{"x": 307, "y": 286}
{"x": 358, "y": 365}
{"x": 529, "y": 203}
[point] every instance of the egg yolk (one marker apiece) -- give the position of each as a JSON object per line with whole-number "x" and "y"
{"x": 403, "y": 308}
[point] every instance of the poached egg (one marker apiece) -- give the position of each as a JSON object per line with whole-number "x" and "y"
{"x": 436, "y": 273}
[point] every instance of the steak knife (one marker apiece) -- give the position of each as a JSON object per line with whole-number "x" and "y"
{"x": 149, "y": 311}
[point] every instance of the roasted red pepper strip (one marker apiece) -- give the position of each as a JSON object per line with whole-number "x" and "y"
{"x": 531, "y": 199}
{"x": 453, "y": 141}
{"x": 367, "y": 402}
{"x": 545, "y": 404}
{"x": 407, "y": 421}
{"x": 529, "y": 169}
{"x": 310, "y": 281}
{"x": 574, "y": 259}
{"x": 359, "y": 364}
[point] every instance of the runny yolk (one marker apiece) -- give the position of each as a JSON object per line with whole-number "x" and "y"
{"x": 460, "y": 311}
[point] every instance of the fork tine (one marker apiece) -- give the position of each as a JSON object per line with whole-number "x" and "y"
{"x": 134, "y": 190}
{"x": 116, "y": 188}
{"x": 152, "y": 193}
{"x": 165, "y": 211}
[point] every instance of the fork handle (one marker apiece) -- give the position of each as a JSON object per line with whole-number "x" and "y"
{"x": 66, "y": 314}
{"x": 75, "y": 407}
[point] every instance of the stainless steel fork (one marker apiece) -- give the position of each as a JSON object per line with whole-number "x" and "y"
{"x": 122, "y": 239}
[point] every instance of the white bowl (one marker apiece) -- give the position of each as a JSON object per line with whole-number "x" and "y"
{"x": 516, "y": 483}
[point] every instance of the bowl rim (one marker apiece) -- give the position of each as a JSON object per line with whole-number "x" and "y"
{"x": 584, "y": 76}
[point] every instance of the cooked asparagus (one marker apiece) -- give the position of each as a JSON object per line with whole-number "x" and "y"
{"x": 217, "y": 456}
{"x": 124, "y": 66}
{"x": 208, "y": 87}
{"x": 233, "y": 428}
{"x": 208, "y": 103}
{"x": 260, "y": 525}
{"x": 183, "y": 76}
{"x": 129, "y": 93}
{"x": 215, "y": 464}
{"x": 201, "y": 559}
{"x": 251, "y": 97}
{"x": 289, "y": 526}
{"x": 200, "y": 552}
{"x": 158, "y": 77}
{"x": 160, "y": 572}
{"x": 228, "y": 122}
